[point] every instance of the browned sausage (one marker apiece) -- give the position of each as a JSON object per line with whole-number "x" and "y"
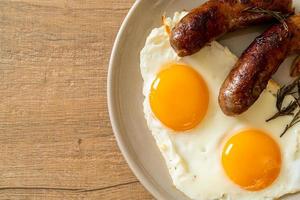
{"x": 216, "y": 17}
{"x": 295, "y": 69}
{"x": 257, "y": 64}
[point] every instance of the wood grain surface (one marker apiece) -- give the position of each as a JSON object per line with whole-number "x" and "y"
{"x": 56, "y": 140}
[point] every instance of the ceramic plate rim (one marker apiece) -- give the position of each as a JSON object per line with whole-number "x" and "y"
{"x": 124, "y": 147}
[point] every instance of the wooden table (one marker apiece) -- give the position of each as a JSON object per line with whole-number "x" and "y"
{"x": 56, "y": 140}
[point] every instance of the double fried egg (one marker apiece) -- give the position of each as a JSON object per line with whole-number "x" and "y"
{"x": 209, "y": 155}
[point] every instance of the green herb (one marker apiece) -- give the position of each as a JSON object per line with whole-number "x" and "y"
{"x": 285, "y": 91}
{"x": 277, "y": 15}
{"x": 282, "y": 93}
{"x": 289, "y": 110}
{"x": 295, "y": 120}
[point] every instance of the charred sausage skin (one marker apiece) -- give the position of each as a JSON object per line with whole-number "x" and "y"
{"x": 256, "y": 66}
{"x": 295, "y": 69}
{"x": 216, "y": 17}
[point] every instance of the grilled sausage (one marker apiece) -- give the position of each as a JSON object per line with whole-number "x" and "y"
{"x": 216, "y": 17}
{"x": 295, "y": 69}
{"x": 257, "y": 64}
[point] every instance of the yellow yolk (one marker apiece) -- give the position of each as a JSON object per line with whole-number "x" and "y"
{"x": 179, "y": 97}
{"x": 252, "y": 159}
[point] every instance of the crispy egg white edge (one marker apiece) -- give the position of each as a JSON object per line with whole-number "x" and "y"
{"x": 158, "y": 37}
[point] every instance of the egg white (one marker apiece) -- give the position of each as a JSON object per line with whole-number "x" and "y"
{"x": 193, "y": 157}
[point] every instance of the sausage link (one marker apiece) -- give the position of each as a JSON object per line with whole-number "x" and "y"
{"x": 295, "y": 69}
{"x": 216, "y": 17}
{"x": 256, "y": 66}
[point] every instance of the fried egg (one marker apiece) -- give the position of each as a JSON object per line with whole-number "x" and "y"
{"x": 209, "y": 155}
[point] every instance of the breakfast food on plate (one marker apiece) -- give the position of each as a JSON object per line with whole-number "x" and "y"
{"x": 211, "y": 156}
{"x": 295, "y": 69}
{"x": 258, "y": 63}
{"x": 217, "y": 17}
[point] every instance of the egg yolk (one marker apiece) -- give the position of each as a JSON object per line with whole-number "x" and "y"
{"x": 179, "y": 97}
{"x": 252, "y": 160}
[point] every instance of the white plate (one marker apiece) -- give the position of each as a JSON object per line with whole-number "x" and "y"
{"x": 125, "y": 96}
